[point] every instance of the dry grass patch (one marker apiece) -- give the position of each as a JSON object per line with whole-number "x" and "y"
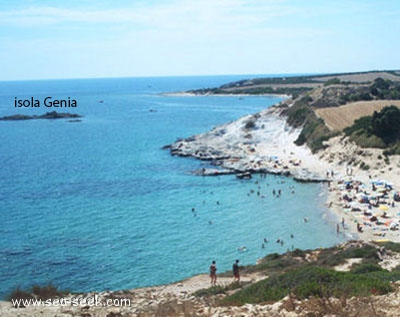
{"x": 338, "y": 118}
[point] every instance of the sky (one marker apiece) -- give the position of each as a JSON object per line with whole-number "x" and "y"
{"x": 43, "y": 39}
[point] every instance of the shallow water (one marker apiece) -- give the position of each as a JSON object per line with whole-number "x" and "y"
{"x": 99, "y": 205}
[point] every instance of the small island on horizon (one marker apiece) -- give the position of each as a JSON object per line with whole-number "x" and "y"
{"x": 47, "y": 115}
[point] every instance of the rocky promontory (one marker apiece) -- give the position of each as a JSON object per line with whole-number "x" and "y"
{"x": 259, "y": 143}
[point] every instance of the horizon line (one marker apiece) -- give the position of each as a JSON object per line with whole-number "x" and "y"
{"x": 207, "y": 75}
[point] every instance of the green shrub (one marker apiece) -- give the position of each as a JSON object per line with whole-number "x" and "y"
{"x": 45, "y": 292}
{"x": 364, "y": 166}
{"x": 298, "y": 114}
{"x": 392, "y": 246}
{"x": 366, "y": 268}
{"x": 301, "y": 139}
{"x": 19, "y": 294}
{"x": 333, "y": 81}
{"x": 393, "y": 149}
{"x": 363, "y": 123}
{"x": 278, "y": 264}
{"x": 381, "y": 130}
{"x": 332, "y": 256}
{"x": 250, "y": 124}
{"x": 215, "y": 290}
{"x": 366, "y": 140}
{"x": 386, "y": 123}
{"x": 310, "y": 281}
{"x": 298, "y": 253}
{"x": 37, "y": 292}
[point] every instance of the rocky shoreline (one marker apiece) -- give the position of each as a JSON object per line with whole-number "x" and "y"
{"x": 180, "y": 299}
{"x": 259, "y": 143}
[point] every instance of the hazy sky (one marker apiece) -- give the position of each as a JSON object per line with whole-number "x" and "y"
{"x": 88, "y": 38}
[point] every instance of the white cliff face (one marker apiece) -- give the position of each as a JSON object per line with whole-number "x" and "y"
{"x": 258, "y": 143}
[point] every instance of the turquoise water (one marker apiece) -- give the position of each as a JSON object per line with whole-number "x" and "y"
{"x": 98, "y": 204}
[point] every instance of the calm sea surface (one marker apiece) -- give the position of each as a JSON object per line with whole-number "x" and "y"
{"x": 98, "y": 205}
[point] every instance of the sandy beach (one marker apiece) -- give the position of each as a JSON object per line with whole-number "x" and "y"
{"x": 364, "y": 196}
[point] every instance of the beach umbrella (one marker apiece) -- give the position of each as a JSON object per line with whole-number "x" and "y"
{"x": 383, "y": 207}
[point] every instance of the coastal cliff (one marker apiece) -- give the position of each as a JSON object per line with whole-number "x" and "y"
{"x": 259, "y": 143}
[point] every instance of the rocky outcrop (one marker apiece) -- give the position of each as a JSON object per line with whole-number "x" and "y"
{"x": 258, "y": 143}
{"x": 47, "y": 115}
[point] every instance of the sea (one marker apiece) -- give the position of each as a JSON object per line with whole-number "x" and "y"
{"x": 98, "y": 204}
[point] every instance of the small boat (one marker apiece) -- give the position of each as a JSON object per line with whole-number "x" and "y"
{"x": 242, "y": 249}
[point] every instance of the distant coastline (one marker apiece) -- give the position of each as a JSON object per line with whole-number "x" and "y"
{"x": 194, "y": 94}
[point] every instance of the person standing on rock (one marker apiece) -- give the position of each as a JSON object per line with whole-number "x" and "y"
{"x": 213, "y": 273}
{"x": 235, "y": 269}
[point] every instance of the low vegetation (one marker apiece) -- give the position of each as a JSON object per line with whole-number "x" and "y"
{"x": 36, "y": 292}
{"x": 258, "y": 90}
{"x": 314, "y": 131}
{"x": 312, "y": 281}
{"x": 336, "y": 93}
{"x": 381, "y": 130}
{"x": 311, "y": 274}
{"x": 306, "y": 280}
{"x": 333, "y": 81}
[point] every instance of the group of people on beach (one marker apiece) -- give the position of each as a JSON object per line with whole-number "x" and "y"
{"x": 213, "y": 272}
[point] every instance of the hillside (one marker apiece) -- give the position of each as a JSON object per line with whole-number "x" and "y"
{"x": 296, "y": 85}
{"x": 323, "y": 105}
{"x": 337, "y": 101}
{"x": 342, "y": 117}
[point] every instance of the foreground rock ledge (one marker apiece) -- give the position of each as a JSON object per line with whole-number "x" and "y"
{"x": 177, "y": 299}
